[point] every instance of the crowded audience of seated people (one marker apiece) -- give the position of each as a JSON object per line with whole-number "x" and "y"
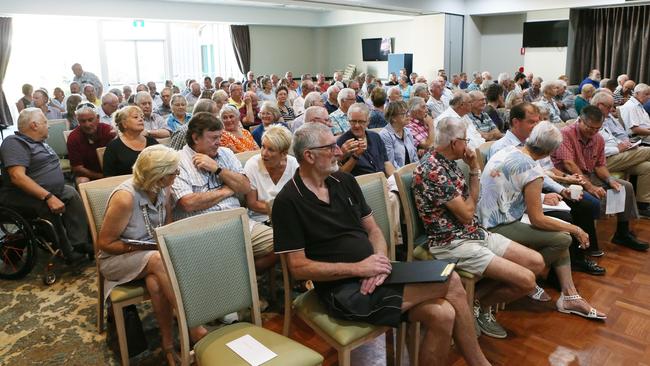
{"x": 435, "y": 124}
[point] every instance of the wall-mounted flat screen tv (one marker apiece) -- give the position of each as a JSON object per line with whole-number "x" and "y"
{"x": 376, "y": 49}
{"x": 546, "y": 34}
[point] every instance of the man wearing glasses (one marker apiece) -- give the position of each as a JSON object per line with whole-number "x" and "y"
{"x": 323, "y": 224}
{"x": 446, "y": 204}
{"x": 583, "y": 152}
{"x": 621, "y": 154}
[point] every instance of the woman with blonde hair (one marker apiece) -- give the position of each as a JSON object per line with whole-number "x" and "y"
{"x": 127, "y": 247}
{"x": 269, "y": 171}
{"x": 121, "y": 153}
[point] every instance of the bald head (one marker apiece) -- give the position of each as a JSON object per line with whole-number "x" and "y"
{"x": 317, "y": 114}
{"x": 110, "y": 103}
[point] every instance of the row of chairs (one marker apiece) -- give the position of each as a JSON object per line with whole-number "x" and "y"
{"x": 344, "y": 336}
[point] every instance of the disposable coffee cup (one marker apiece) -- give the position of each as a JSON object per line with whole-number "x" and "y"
{"x": 576, "y": 191}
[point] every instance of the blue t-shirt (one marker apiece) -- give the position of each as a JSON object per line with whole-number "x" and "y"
{"x": 259, "y": 131}
{"x": 372, "y": 160}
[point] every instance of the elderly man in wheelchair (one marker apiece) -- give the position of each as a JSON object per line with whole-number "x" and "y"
{"x": 33, "y": 186}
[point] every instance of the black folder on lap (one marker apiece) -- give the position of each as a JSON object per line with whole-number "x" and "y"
{"x": 421, "y": 271}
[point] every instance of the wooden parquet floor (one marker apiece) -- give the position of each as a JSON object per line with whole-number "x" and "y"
{"x": 540, "y": 335}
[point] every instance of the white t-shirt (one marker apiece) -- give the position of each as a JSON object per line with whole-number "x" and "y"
{"x": 261, "y": 181}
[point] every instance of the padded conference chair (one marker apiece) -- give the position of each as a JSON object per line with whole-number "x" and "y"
{"x": 482, "y": 153}
{"x": 344, "y": 335}
{"x": 244, "y": 156}
{"x": 56, "y": 140}
{"x": 95, "y": 195}
{"x": 209, "y": 259}
{"x": 100, "y": 156}
{"x": 164, "y": 141}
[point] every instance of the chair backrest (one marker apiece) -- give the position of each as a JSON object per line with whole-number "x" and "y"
{"x": 244, "y": 156}
{"x": 209, "y": 259}
{"x": 570, "y": 122}
{"x": 66, "y": 134}
{"x": 377, "y": 130}
{"x": 100, "y": 156}
{"x": 375, "y": 191}
{"x": 414, "y": 226}
{"x": 164, "y": 141}
{"x": 482, "y": 152}
{"x": 55, "y": 138}
{"x": 94, "y": 195}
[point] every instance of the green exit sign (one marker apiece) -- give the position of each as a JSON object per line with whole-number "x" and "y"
{"x": 138, "y": 23}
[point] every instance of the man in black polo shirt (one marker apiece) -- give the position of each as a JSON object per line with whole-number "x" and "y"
{"x": 323, "y": 224}
{"x": 33, "y": 183}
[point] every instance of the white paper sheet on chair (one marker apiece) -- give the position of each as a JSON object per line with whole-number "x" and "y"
{"x": 252, "y": 351}
{"x": 615, "y": 201}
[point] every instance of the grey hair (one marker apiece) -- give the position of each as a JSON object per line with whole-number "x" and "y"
{"x": 345, "y": 93}
{"x": 393, "y": 89}
{"x": 621, "y": 77}
{"x": 601, "y": 97}
{"x": 140, "y": 96}
{"x": 549, "y": 84}
{"x": 476, "y": 94}
{"x": 330, "y": 90}
{"x": 26, "y": 116}
{"x": 641, "y": 88}
{"x": 544, "y": 139}
{"x": 448, "y": 129}
{"x": 228, "y": 109}
{"x": 503, "y": 77}
{"x": 603, "y": 82}
{"x": 116, "y": 91}
{"x": 307, "y": 136}
{"x": 458, "y": 99}
{"x": 476, "y": 74}
{"x": 543, "y": 109}
{"x": 177, "y": 96}
{"x": 418, "y": 88}
{"x": 205, "y": 105}
{"x": 359, "y": 107}
{"x": 312, "y": 98}
{"x": 414, "y": 103}
{"x": 269, "y": 106}
{"x": 220, "y": 94}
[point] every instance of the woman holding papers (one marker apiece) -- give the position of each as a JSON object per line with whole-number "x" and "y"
{"x": 511, "y": 185}
{"x": 128, "y": 250}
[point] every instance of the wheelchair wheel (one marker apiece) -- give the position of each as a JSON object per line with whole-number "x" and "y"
{"x": 17, "y": 245}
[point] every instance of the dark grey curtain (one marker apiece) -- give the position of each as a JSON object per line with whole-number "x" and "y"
{"x": 241, "y": 43}
{"x": 614, "y": 40}
{"x": 5, "y": 51}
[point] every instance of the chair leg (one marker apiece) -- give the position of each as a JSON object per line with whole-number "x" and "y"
{"x": 100, "y": 316}
{"x": 390, "y": 348}
{"x": 469, "y": 285}
{"x": 118, "y": 315}
{"x": 414, "y": 343}
{"x": 286, "y": 325}
{"x": 401, "y": 340}
{"x": 344, "y": 357}
{"x": 271, "y": 272}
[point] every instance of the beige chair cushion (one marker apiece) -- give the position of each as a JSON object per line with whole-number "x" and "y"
{"x": 343, "y": 331}
{"x": 127, "y": 291}
{"x": 212, "y": 349}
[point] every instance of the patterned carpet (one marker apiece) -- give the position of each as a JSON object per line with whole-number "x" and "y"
{"x": 56, "y": 325}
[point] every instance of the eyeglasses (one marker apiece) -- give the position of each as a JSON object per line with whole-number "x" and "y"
{"x": 333, "y": 146}
{"x": 591, "y": 127}
{"x": 466, "y": 140}
{"x": 86, "y": 105}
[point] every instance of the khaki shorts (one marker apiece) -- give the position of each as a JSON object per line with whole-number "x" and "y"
{"x": 474, "y": 255}
{"x": 262, "y": 239}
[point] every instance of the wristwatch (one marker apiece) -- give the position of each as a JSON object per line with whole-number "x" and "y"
{"x": 218, "y": 171}
{"x": 48, "y": 196}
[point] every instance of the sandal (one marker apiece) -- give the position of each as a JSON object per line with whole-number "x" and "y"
{"x": 592, "y": 314}
{"x": 539, "y": 294}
